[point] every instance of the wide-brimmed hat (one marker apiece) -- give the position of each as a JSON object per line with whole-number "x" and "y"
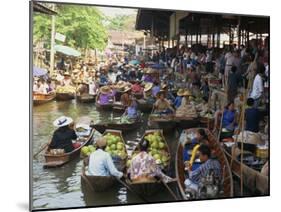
{"x": 164, "y": 86}
{"x": 148, "y": 71}
{"x": 125, "y": 89}
{"x": 160, "y": 92}
{"x": 180, "y": 92}
{"x": 147, "y": 86}
{"x": 105, "y": 89}
{"x": 62, "y": 121}
{"x": 121, "y": 84}
{"x": 101, "y": 142}
{"x": 187, "y": 93}
{"x": 66, "y": 73}
{"x": 75, "y": 71}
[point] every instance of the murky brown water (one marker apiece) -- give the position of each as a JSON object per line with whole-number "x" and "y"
{"x": 61, "y": 187}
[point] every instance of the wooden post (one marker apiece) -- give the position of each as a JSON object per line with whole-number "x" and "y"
{"x": 186, "y": 39}
{"x": 200, "y": 37}
{"x": 248, "y": 38}
{"x": 239, "y": 32}
{"x": 213, "y": 43}
{"x": 230, "y": 34}
{"x": 191, "y": 39}
{"x": 52, "y": 53}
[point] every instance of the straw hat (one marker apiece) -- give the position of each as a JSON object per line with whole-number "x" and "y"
{"x": 187, "y": 93}
{"x": 147, "y": 86}
{"x": 105, "y": 89}
{"x": 75, "y": 71}
{"x": 101, "y": 142}
{"x": 180, "y": 92}
{"x": 121, "y": 84}
{"x": 126, "y": 88}
{"x": 62, "y": 121}
{"x": 164, "y": 86}
{"x": 66, "y": 73}
{"x": 148, "y": 70}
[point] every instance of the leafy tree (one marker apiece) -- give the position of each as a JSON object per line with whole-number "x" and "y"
{"x": 82, "y": 26}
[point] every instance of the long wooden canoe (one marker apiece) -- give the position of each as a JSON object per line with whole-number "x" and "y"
{"x": 86, "y": 98}
{"x": 39, "y": 99}
{"x": 118, "y": 107}
{"x": 186, "y": 122}
{"x": 149, "y": 186}
{"x": 103, "y": 183}
{"x": 65, "y": 96}
{"x": 217, "y": 151}
{"x": 143, "y": 106}
{"x": 138, "y": 95}
{"x": 106, "y": 107}
{"x": 252, "y": 179}
{"x": 124, "y": 127}
{"x": 59, "y": 160}
{"x": 165, "y": 122}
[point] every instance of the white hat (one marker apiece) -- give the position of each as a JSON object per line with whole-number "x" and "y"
{"x": 62, "y": 121}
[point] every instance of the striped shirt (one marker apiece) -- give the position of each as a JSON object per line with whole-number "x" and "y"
{"x": 196, "y": 175}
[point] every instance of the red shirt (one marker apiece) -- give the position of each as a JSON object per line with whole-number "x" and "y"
{"x": 136, "y": 88}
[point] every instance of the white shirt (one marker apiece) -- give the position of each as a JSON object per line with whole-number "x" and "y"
{"x": 92, "y": 89}
{"x": 43, "y": 88}
{"x": 257, "y": 87}
{"x": 35, "y": 87}
{"x": 101, "y": 164}
{"x": 229, "y": 58}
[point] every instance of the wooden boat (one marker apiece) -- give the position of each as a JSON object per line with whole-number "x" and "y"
{"x": 124, "y": 127}
{"x": 65, "y": 96}
{"x": 86, "y": 98}
{"x": 118, "y": 107}
{"x": 149, "y": 186}
{"x": 227, "y": 182}
{"x": 207, "y": 122}
{"x": 97, "y": 183}
{"x": 186, "y": 122}
{"x": 39, "y": 99}
{"x": 143, "y": 106}
{"x": 252, "y": 179}
{"x": 52, "y": 160}
{"x": 106, "y": 107}
{"x": 164, "y": 122}
{"x": 138, "y": 95}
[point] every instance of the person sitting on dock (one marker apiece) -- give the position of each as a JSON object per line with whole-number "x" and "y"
{"x": 63, "y": 136}
{"x": 162, "y": 105}
{"x": 203, "y": 170}
{"x": 101, "y": 163}
{"x": 252, "y": 116}
{"x": 143, "y": 166}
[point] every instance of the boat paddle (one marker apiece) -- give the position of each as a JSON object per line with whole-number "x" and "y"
{"x": 44, "y": 147}
{"x": 131, "y": 190}
{"x": 169, "y": 189}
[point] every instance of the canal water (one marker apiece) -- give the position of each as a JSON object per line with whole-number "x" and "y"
{"x": 61, "y": 187}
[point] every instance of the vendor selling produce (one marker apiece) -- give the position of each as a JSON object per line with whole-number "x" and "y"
{"x": 162, "y": 105}
{"x": 63, "y": 136}
{"x": 143, "y": 166}
{"x": 105, "y": 95}
{"x": 100, "y": 162}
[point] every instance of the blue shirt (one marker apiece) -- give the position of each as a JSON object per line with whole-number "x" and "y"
{"x": 228, "y": 117}
{"x": 203, "y": 170}
{"x": 155, "y": 90}
{"x": 177, "y": 102}
{"x": 101, "y": 164}
{"x": 252, "y": 116}
{"x": 132, "y": 112}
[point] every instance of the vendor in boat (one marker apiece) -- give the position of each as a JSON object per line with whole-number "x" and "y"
{"x": 147, "y": 94}
{"x": 43, "y": 87}
{"x": 100, "y": 162}
{"x": 168, "y": 94}
{"x": 186, "y": 108}
{"x": 208, "y": 164}
{"x": 131, "y": 111}
{"x": 126, "y": 97}
{"x": 67, "y": 79}
{"x": 82, "y": 88}
{"x": 143, "y": 166}
{"x": 136, "y": 87}
{"x": 63, "y": 136}
{"x": 155, "y": 89}
{"x": 147, "y": 77}
{"x": 105, "y": 96}
{"x": 200, "y": 138}
{"x": 93, "y": 87}
{"x": 179, "y": 97}
{"x": 162, "y": 105}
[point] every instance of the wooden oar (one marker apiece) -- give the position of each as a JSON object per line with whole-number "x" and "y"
{"x": 44, "y": 147}
{"x": 131, "y": 190}
{"x": 170, "y": 190}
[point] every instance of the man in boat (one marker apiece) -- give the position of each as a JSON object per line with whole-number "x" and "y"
{"x": 147, "y": 94}
{"x": 136, "y": 87}
{"x": 131, "y": 111}
{"x": 63, "y": 136}
{"x": 126, "y": 96}
{"x": 143, "y": 166}
{"x": 162, "y": 105}
{"x": 179, "y": 97}
{"x": 101, "y": 163}
{"x": 208, "y": 164}
{"x": 67, "y": 79}
{"x": 155, "y": 89}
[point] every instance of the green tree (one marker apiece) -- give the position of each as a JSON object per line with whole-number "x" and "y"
{"x": 82, "y": 26}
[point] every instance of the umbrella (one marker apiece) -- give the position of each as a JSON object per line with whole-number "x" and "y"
{"x": 67, "y": 50}
{"x": 38, "y": 72}
{"x": 134, "y": 62}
